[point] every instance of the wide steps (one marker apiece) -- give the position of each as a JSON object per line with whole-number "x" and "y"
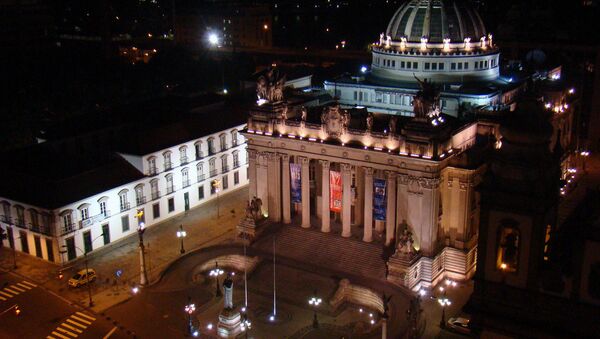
{"x": 330, "y": 251}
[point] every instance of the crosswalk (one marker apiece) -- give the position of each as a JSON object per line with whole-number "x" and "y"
{"x": 72, "y": 327}
{"x": 15, "y": 289}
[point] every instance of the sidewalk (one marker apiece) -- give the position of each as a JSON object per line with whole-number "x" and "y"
{"x": 162, "y": 247}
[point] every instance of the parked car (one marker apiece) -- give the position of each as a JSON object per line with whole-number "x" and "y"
{"x": 82, "y": 277}
{"x": 460, "y": 325}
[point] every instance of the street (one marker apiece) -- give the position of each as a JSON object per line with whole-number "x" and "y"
{"x": 44, "y": 315}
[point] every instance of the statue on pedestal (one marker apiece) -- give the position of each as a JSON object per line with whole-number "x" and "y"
{"x": 230, "y": 320}
{"x": 405, "y": 242}
{"x": 370, "y": 122}
{"x": 254, "y": 209}
{"x": 392, "y": 125}
{"x": 228, "y": 288}
{"x": 269, "y": 87}
{"x": 426, "y": 101}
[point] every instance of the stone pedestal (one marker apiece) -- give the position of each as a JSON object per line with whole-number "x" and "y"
{"x": 230, "y": 322}
{"x": 249, "y": 229}
{"x": 399, "y": 266}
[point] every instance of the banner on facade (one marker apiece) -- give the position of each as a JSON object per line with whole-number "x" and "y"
{"x": 335, "y": 191}
{"x": 379, "y": 201}
{"x": 296, "y": 182}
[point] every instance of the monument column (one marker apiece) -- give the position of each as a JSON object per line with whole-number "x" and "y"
{"x": 346, "y": 200}
{"x": 368, "y": 215}
{"x": 274, "y": 178}
{"x": 305, "y": 180}
{"x": 285, "y": 182}
{"x": 252, "y": 173}
{"x": 325, "y": 222}
{"x": 390, "y": 219}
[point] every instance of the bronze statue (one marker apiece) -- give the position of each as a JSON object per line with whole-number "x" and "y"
{"x": 426, "y": 101}
{"x": 270, "y": 86}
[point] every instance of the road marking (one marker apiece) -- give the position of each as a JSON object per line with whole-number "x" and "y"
{"x": 67, "y": 332}
{"x": 11, "y": 291}
{"x": 24, "y": 286}
{"x": 18, "y": 289}
{"x": 60, "y": 335}
{"x": 86, "y": 316}
{"x": 30, "y": 284}
{"x": 6, "y": 294}
{"x": 79, "y": 319}
{"x": 76, "y": 323}
{"x": 71, "y": 328}
{"x": 110, "y": 333}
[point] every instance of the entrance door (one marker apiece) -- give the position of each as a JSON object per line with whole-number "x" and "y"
{"x": 87, "y": 241}
{"x": 50, "y": 250}
{"x": 24, "y": 243}
{"x": 38, "y": 246}
{"x": 186, "y": 198}
{"x": 106, "y": 234}
{"x": 71, "y": 249}
{"x": 11, "y": 239}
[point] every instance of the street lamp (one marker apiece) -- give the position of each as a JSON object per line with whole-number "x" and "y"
{"x": 315, "y": 301}
{"x": 246, "y": 325}
{"x": 213, "y": 39}
{"x": 189, "y": 309}
{"x": 89, "y": 286}
{"x": 444, "y": 302}
{"x": 216, "y": 272}
{"x": 141, "y": 229}
{"x": 216, "y": 184}
{"x": 181, "y": 234}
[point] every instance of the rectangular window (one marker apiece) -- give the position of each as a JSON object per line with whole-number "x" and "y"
{"x": 453, "y": 66}
{"x": 125, "y": 223}
{"x": 485, "y": 64}
{"x": 476, "y": 65}
{"x": 434, "y": 66}
{"x": 427, "y": 65}
{"x": 466, "y": 65}
{"x": 460, "y": 65}
{"x": 171, "y": 205}
{"x": 415, "y": 65}
{"x": 103, "y": 208}
{"x": 355, "y": 95}
{"x": 50, "y": 250}
{"x": 225, "y": 182}
{"x": 402, "y": 64}
{"x": 394, "y": 63}
{"x": 408, "y": 64}
{"x": 200, "y": 192}
{"x": 441, "y": 66}
{"x": 85, "y": 214}
{"x": 156, "y": 211}
{"x": 236, "y": 177}
{"x": 24, "y": 242}
{"x": 38, "y": 246}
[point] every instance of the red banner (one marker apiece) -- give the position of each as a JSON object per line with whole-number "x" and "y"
{"x": 335, "y": 191}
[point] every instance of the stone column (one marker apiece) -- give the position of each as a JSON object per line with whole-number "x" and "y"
{"x": 274, "y": 178}
{"x": 390, "y": 219}
{"x": 325, "y": 222}
{"x": 262, "y": 181}
{"x": 252, "y": 173}
{"x": 368, "y": 215}
{"x": 285, "y": 182}
{"x": 346, "y": 200}
{"x": 305, "y": 178}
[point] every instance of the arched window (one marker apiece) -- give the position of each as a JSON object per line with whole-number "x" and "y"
{"x": 183, "y": 159}
{"x": 185, "y": 177}
{"x": 223, "y": 141}
{"x": 234, "y": 138}
{"x": 200, "y": 171}
{"x": 224, "y": 164}
{"x": 236, "y": 159}
{"x": 212, "y": 167}
{"x": 67, "y": 219}
{"x": 170, "y": 185}
{"x": 123, "y": 201}
{"x": 35, "y": 221}
{"x": 6, "y": 211}
{"x": 20, "y": 215}
{"x": 152, "y": 165}
{"x": 102, "y": 203}
{"x": 508, "y": 242}
{"x": 140, "y": 199}
{"x": 211, "y": 145}
{"x": 167, "y": 160}
{"x": 198, "y": 149}
{"x": 154, "y": 192}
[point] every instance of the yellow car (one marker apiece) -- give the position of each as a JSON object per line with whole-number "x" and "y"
{"x": 82, "y": 277}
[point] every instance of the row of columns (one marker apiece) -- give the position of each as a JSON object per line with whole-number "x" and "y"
{"x": 279, "y": 189}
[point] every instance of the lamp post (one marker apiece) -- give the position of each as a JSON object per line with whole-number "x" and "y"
{"x": 89, "y": 286}
{"x": 246, "y": 324}
{"x": 216, "y": 272}
{"x": 181, "y": 234}
{"x": 189, "y": 309}
{"x": 315, "y": 301}
{"x": 217, "y": 187}
{"x": 444, "y": 301}
{"x": 141, "y": 229}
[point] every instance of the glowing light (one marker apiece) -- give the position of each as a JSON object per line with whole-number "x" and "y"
{"x": 422, "y": 292}
{"x": 490, "y": 40}
{"x": 360, "y": 310}
{"x": 572, "y": 90}
{"x": 272, "y": 318}
{"x": 265, "y": 27}
{"x": 446, "y": 45}
{"x": 209, "y": 326}
{"x": 312, "y": 139}
{"x": 402, "y": 43}
{"x": 250, "y": 131}
{"x": 135, "y": 290}
{"x": 548, "y": 105}
{"x": 213, "y": 39}
{"x": 378, "y": 148}
{"x": 261, "y": 102}
{"x": 372, "y": 322}
{"x": 503, "y": 266}
{"x": 363, "y": 69}
{"x": 483, "y": 44}
{"x": 268, "y": 133}
{"x": 225, "y": 91}
{"x": 423, "y": 44}
{"x": 468, "y": 44}
{"x": 291, "y": 136}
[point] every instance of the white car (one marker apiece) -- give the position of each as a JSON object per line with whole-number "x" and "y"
{"x": 460, "y": 325}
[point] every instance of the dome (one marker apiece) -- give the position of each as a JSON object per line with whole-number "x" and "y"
{"x": 436, "y": 20}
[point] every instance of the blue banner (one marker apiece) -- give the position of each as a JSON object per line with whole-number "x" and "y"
{"x": 379, "y": 199}
{"x": 296, "y": 182}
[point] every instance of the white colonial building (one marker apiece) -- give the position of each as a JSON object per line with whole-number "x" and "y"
{"x": 57, "y": 205}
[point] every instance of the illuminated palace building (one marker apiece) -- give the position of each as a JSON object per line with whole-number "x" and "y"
{"x": 393, "y": 156}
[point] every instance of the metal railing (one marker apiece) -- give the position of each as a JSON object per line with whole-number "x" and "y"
{"x": 6, "y": 219}
{"x": 185, "y": 183}
{"x": 236, "y": 164}
{"x": 199, "y": 156}
{"x": 66, "y": 229}
{"x": 201, "y": 177}
{"x": 223, "y": 147}
{"x": 213, "y": 172}
{"x": 101, "y": 216}
{"x": 170, "y": 189}
{"x": 125, "y": 206}
{"x": 168, "y": 166}
{"x": 183, "y": 160}
{"x": 225, "y": 169}
{"x": 152, "y": 171}
{"x": 155, "y": 195}
{"x": 140, "y": 200}
{"x": 211, "y": 151}
{"x": 85, "y": 222}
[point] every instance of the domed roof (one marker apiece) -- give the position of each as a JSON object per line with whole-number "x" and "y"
{"x": 436, "y": 20}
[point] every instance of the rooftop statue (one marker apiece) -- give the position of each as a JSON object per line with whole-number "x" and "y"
{"x": 426, "y": 101}
{"x": 269, "y": 86}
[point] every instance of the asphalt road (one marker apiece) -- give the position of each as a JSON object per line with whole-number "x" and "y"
{"x": 45, "y": 315}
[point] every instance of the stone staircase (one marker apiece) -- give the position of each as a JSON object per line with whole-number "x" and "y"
{"x": 326, "y": 250}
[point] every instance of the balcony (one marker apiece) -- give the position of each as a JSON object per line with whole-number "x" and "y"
{"x": 236, "y": 164}
{"x": 199, "y": 156}
{"x": 155, "y": 195}
{"x": 20, "y": 223}
{"x": 101, "y": 216}
{"x": 152, "y": 171}
{"x": 185, "y": 183}
{"x": 211, "y": 151}
{"x": 223, "y": 147}
{"x": 183, "y": 160}
{"x": 168, "y": 166}
{"x": 170, "y": 189}
{"x": 213, "y": 172}
{"x": 201, "y": 177}
{"x": 66, "y": 229}
{"x": 140, "y": 200}
{"x": 125, "y": 206}
{"x": 225, "y": 169}
{"x": 5, "y": 219}
{"x": 42, "y": 229}
{"x": 85, "y": 222}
